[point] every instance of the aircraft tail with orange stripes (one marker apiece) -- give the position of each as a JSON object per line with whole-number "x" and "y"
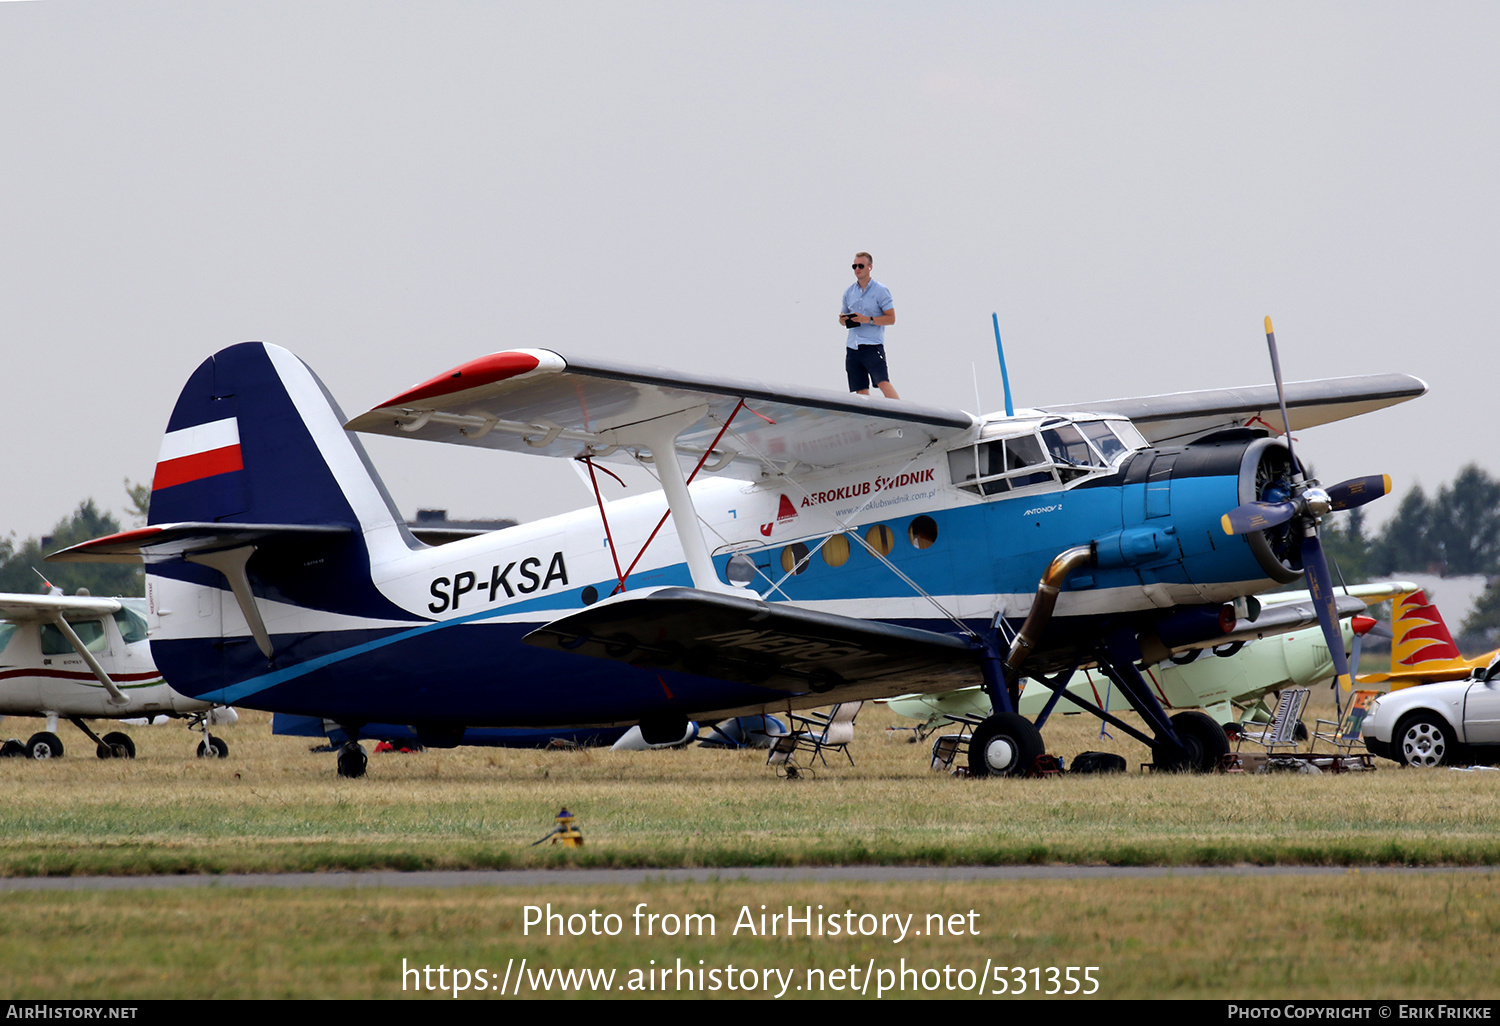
{"x": 1422, "y": 649}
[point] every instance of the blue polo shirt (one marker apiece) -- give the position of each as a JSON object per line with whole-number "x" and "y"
{"x": 871, "y": 301}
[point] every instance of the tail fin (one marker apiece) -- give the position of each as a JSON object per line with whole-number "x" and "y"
{"x": 255, "y": 438}
{"x": 1421, "y": 638}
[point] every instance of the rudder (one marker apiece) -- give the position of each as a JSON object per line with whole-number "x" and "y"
{"x": 255, "y": 438}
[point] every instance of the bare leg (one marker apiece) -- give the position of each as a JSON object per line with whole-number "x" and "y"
{"x": 889, "y": 390}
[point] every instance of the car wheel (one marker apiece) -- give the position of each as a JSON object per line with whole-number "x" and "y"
{"x": 1425, "y": 739}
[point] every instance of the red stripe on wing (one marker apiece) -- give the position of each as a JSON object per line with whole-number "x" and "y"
{"x": 483, "y": 371}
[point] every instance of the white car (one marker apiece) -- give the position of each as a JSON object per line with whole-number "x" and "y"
{"x": 1451, "y": 724}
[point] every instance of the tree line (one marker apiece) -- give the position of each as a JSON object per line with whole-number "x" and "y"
{"x": 22, "y": 567}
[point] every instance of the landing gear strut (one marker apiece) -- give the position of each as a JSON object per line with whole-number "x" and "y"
{"x": 1006, "y": 744}
{"x": 210, "y": 747}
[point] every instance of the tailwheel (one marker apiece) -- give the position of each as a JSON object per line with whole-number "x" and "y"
{"x": 1204, "y": 741}
{"x": 352, "y": 760}
{"x": 1005, "y": 745}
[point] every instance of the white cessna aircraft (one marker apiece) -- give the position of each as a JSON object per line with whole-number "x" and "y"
{"x": 78, "y": 657}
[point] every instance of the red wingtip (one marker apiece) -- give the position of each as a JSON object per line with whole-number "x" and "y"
{"x": 483, "y": 371}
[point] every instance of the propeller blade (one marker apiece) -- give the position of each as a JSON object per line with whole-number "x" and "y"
{"x": 1359, "y": 490}
{"x": 1320, "y": 586}
{"x": 1353, "y": 664}
{"x": 1286, "y": 421}
{"x": 1256, "y": 516}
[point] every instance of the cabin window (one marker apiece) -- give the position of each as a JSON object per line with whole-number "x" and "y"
{"x": 922, "y": 532}
{"x": 90, "y": 632}
{"x": 880, "y": 539}
{"x": 740, "y": 570}
{"x": 836, "y": 550}
{"x": 794, "y": 558}
{"x": 7, "y": 631}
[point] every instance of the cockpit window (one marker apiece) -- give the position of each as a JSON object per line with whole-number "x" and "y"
{"x": 132, "y": 625}
{"x": 1066, "y": 445}
{"x": 1001, "y": 465}
{"x": 1061, "y": 450}
{"x": 7, "y": 631}
{"x": 1105, "y": 440}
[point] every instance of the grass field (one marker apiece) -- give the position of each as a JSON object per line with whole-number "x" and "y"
{"x": 273, "y": 806}
{"x": 1358, "y": 935}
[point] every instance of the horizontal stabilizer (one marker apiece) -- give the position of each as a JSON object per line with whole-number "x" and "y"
{"x": 773, "y": 645}
{"x": 1411, "y": 678}
{"x": 1181, "y": 416}
{"x": 163, "y": 541}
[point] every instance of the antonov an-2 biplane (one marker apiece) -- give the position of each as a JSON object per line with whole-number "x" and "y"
{"x": 830, "y": 548}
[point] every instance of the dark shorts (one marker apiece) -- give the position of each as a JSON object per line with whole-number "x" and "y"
{"x": 865, "y": 367}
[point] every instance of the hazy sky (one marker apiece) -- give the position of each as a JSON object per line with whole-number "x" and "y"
{"x": 392, "y": 188}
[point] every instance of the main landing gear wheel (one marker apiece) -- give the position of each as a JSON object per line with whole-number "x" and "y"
{"x": 44, "y": 745}
{"x": 1005, "y": 745}
{"x": 213, "y": 748}
{"x": 352, "y": 760}
{"x": 116, "y": 745}
{"x": 1424, "y": 739}
{"x": 1205, "y": 740}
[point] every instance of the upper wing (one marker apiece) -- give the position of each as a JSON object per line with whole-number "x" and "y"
{"x": 17, "y": 608}
{"x": 1180, "y": 416}
{"x": 534, "y": 400}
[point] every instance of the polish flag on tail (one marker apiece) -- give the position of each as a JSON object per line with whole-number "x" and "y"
{"x": 194, "y": 453}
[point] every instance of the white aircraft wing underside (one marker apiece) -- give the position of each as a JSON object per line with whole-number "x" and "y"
{"x": 23, "y": 608}
{"x": 536, "y": 401}
{"x": 1180, "y": 416}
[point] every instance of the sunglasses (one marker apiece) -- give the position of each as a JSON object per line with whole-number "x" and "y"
{"x": 858, "y": 267}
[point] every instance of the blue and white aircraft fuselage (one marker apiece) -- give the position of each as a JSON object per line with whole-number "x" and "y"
{"x": 834, "y": 548}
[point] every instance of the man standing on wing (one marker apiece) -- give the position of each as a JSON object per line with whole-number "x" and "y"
{"x": 867, "y": 310}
